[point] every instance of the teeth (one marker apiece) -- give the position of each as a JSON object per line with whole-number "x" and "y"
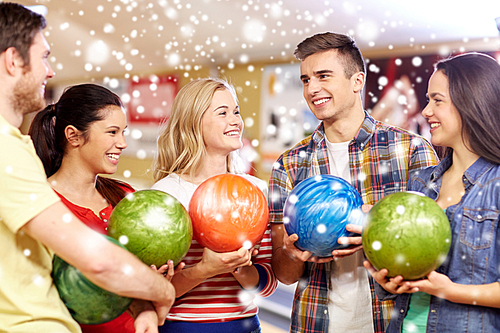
{"x": 113, "y": 156}
{"x": 323, "y": 100}
{"x": 434, "y": 125}
{"x": 230, "y": 133}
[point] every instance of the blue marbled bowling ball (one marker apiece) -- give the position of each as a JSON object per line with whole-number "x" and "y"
{"x": 318, "y": 210}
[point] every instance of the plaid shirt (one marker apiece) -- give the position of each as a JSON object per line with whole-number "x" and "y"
{"x": 380, "y": 158}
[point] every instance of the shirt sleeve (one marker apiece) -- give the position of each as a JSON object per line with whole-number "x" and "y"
{"x": 422, "y": 154}
{"x": 267, "y": 280}
{"x": 279, "y": 185}
{"x": 24, "y": 190}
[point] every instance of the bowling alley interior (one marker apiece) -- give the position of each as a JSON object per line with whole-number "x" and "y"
{"x": 146, "y": 51}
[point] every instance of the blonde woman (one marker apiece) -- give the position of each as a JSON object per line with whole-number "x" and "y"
{"x": 200, "y": 140}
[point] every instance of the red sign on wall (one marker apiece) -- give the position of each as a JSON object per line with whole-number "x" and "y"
{"x": 151, "y": 99}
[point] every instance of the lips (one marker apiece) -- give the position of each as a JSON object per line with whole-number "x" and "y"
{"x": 113, "y": 158}
{"x": 320, "y": 101}
{"x": 232, "y": 133}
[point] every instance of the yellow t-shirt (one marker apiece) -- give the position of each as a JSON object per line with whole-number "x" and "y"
{"x": 29, "y": 301}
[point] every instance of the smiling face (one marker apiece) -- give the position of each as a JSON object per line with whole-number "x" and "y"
{"x": 29, "y": 91}
{"x": 222, "y": 125}
{"x": 105, "y": 141}
{"x": 443, "y": 117}
{"x": 328, "y": 92}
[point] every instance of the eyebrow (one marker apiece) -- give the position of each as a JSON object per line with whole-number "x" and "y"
{"x": 434, "y": 94}
{"x": 224, "y": 107}
{"x": 115, "y": 126}
{"x": 323, "y": 71}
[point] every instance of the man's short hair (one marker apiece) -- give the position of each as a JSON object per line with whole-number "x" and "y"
{"x": 18, "y": 27}
{"x": 346, "y": 47}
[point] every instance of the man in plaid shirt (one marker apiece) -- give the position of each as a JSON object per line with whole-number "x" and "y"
{"x": 336, "y": 294}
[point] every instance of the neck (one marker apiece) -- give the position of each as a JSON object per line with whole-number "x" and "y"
{"x": 344, "y": 129}
{"x": 72, "y": 179}
{"x": 463, "y": 159}
{"x": 211, "y": 166}
{"x": 9, "y": 114}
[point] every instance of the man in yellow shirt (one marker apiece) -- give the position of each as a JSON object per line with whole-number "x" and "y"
{"x": 34, "y": 223}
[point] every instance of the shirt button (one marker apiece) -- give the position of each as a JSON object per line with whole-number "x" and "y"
{"x": 402, "y": 310}
{"x": 326, "y": 311}
{"x": 105, "y": 220}
{"x": 433, "y": 311}
{"x": 103, "y": 214}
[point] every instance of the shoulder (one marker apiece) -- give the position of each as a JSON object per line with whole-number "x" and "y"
{"x": 420, "y": 178}
{"x": 401, "y": 136}
{"x": 262, "y": 185}
{"x": 300, "y": 151}
{"x": 172, "y": 184}
{"x": 254, "y": 180}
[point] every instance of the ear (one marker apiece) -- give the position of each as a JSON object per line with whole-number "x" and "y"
{"x": 13, "y": 61}
{"x": 359, "y": 81}
{"x": 73, "y": 135}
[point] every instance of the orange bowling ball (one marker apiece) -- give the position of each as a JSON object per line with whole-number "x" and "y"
{"x": 228, "y": 212}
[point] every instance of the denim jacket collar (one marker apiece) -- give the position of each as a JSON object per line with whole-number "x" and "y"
{"x": 471, "y": 175}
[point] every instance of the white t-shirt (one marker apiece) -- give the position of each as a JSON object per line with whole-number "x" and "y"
{"x": 349, "y": 299}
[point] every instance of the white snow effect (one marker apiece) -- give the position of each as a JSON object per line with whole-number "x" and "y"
{"x": 127, "y": 270}
{"x": 416, "y": 61}
{"x": 67, "y": 218}
{"x": 247, "y": 244}
{"x": 376, "y": 245}
{"x": 123, "y": 240}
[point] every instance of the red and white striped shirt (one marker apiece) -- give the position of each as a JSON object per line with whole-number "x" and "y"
{"x": 219, "y": 298}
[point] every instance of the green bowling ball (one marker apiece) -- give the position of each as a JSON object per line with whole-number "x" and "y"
{"x": 87, "y": 303}
{"x": 153, "y": 225}
{"x": 408, "y": 234}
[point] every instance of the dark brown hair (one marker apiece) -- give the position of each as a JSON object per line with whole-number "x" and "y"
{"x": 346, "y": 47}
{"x": 79, "y": 106}
{"x": 474, "y": 84}
{"x": 18, "y": 27}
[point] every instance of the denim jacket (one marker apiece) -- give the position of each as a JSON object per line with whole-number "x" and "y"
{"x": 474, "y": 253}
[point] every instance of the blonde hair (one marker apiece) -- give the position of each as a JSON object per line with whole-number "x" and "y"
{"x": 181, "y": 148}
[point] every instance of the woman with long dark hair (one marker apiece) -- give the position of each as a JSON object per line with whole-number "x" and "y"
{"x": 78, "y": 138}
{"x": 463, "y": 295}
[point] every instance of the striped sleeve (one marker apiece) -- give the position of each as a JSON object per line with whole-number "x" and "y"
{"x": 263, "y": 260}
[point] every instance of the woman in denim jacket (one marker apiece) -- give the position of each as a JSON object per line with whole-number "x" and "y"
{"x": 463, "y": 295}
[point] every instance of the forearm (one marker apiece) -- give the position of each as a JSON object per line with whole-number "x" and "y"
{"x": 187, "y": 279}
{"x": 482, "y": 295}
{"x": 124, "y": 274}
{"x": 247, "y": 277}
{"x": 102, "y": 262}
{"x": 286, "y": 269}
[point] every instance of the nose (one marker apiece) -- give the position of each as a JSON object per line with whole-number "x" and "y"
{"x": 427, "y": 111}
{"x": 313, "y": 87}
{"x": 236, "y": 120}
{"x": 50, "y": 72}
{"x": 121, "y": 144}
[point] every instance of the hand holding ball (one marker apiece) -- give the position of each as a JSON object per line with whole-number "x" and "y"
{"x": 408, "y": 234}
{"x": 318, "y": 210}
{"x": 228, "y": 212}
{"x": 153, "y": 225}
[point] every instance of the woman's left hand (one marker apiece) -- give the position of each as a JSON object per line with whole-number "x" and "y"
{"x": 168, "y": 270}
{"x": 145, "y": 316}
{"x": 436, "y": 284}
